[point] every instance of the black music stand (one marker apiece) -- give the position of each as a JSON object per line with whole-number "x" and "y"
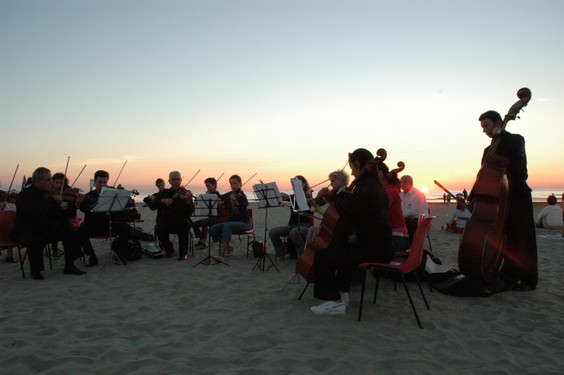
{"x": 112, "y": 200}
{"x": 208, "y": 202}
{"x": 267, "y": 196}
{"x": 299, "y": 205}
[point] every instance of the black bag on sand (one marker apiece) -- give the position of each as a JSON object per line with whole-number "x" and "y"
{"x": 258, "y": 249}
{"x": 127, "y": 249}
{"x": 139, "y": 234}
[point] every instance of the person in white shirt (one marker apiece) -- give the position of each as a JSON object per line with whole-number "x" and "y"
{"x": 413, "y": 204}
{"x": 551, "y": 215}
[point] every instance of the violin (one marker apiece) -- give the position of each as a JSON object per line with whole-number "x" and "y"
{"x": 481, "y": 246}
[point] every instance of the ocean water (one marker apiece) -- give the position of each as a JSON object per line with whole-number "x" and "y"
{"x": 539, "y": 195}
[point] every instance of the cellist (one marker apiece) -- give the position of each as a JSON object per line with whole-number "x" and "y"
{"x": 364, "y": 212}
{"x": 520, "y": 267}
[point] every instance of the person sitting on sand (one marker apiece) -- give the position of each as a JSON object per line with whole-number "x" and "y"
{"x": 459, "y": 216}
{"x": 551, "y": 215}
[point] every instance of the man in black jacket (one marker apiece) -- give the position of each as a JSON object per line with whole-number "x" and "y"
{"x": 40, "y": 220}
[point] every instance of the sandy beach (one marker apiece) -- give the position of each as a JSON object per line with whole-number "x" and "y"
{"x": 169, "y": 317}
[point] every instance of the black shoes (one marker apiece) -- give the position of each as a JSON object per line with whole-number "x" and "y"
{"x": 182, "y": 257}
{"x": 37, "y": 276}
{"x": 73, "y": 271}
{"x": 92, "y": 261}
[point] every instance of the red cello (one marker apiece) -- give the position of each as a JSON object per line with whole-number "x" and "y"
{"x": 481, "y": 246}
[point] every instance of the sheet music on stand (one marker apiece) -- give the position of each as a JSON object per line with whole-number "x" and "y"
{"x": 112, "y": 200}
{"x": 267, "y": 194}
{"x": 299, "y": 195}
{"x": 203, "y": 206}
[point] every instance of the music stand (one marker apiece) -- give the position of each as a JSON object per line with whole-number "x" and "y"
{"x": 299, "y": 205}
{"x": 207, "y": 203}
{"x": 267, "y": 196}
{"x": 111, "y": 200}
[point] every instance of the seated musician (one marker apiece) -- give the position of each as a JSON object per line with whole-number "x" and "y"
{"x": 413, "y": 204}
{"x": 41, "y": 219}
{"x": 364, "y": 212}
{"x": 201, "y": 226}
{"x": 97, "y": 223}
{"x": 297, "y": 226}
{"x": 238, "y": 220}
{"x": 176, "y": 206}
{"x": 61, "y": 185}
{"x": 338, "y": 179}
{"x": 400, "y": 235}
{"x": 459, "y": 217}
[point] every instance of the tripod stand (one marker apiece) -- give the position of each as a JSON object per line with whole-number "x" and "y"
{"x": 267, "y": 196}
{"x": 210, "y": 204}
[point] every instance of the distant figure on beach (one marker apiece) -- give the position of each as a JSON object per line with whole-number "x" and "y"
{"x": 176, "y": 206}
{"x": 40, "y": 220}
{"x": 201, "y": 226}
{"x": 365, "y": 212}
{"x": 464, "y": 194}
{"x": 459, "y": 216}
{"x": 238, "y": 219}
{"x": 413, "y": 204}
{"x": 551, "y": 215}
{"x": 297, "y": 226}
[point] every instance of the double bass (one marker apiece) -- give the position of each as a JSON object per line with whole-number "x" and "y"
{"x": 481, "y": 246}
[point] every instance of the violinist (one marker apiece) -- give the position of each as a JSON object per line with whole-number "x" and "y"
{"x": 520, "y": 266}
{"x": 297, "y": 226}
{"x": 202, "y": 234}
{"x": 97, "y": 223}
{"x": 338, "y": 179}
{"x": 238, "y": 219}
{"x": 364, "y": 210}
{"x": 176, "y": 206}
{"x": 41, "y": 220}
{"x": 65, "y": 195}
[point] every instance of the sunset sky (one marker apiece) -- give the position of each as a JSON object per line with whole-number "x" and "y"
{"x": 276, "y": 88}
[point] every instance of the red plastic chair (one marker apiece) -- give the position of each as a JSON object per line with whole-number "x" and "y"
{"x": 7, "y": 222}
{"x": 401, "y": 266}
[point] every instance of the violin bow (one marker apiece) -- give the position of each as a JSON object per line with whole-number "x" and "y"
{"x": 119, "y": 174}
{"x": 192, "y": 178}
{"x": 445, "y": 189}
{"x": 219, "y": 178}
{"x": 64, "y": 178}
{"x": 248, "y": 180}
{"x": 78, "y": 175}
{"x": 14, "y": 176}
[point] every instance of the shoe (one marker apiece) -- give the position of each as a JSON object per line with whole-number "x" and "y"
{"x": 37, "y": 276}
{"x": 182, "y": 257}
{"x": 10, "y": 260}
{"x": 93, "y": 261}
{"x": 218, "y": 258}
{"x": 345, "y": 297}
{"x": 330, "y": 308}
{"x": 73, "y": 271}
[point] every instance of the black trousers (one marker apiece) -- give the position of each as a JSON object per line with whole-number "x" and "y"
{"x": 179, "y": 226}
{"x": 333, "y": 267}
{"x": 59, "y": 231}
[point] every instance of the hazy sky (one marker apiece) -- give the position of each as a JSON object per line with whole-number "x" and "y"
{"x": 276, "y": 88}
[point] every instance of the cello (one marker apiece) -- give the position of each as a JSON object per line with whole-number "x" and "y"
{"x": 333, "y": 231}
{"x": 483, "y": 240}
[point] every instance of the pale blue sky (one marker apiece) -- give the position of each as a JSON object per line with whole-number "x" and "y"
{"x": 276, "y": 88}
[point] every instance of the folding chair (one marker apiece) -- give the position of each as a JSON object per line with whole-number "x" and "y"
{"x": 7, "y": 222}
{"x": 401, "y": 266}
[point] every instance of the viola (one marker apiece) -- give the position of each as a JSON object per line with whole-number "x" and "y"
{"x": 483, "y": 239}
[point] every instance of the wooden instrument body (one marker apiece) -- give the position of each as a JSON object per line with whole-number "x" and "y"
{"x": 481, "y": 247}
{"x": 324, "y": 239}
